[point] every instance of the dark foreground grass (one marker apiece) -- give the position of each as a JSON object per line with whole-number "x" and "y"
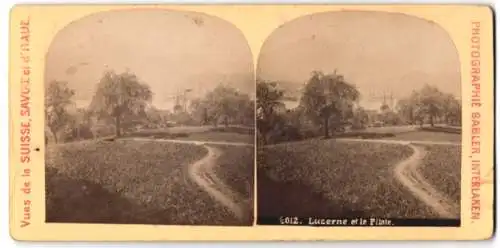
{"x": 334, "y": 179}
{"x": 442, "y": 168}
{"x": 129, "y": 182}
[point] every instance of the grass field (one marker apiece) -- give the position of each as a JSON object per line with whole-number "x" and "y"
{"x": 325, "y": 178}
{"x": 236, "y": 168}
{"x": 127, "y": 182}
{"x": 427, "y": 136}
{"x": 442, "y": 168}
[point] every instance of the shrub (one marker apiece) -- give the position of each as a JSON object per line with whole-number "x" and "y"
{"x": 157, "y": 134}
{"x": 234, "y": 129}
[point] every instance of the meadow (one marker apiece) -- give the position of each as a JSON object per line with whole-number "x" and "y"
{"x": 441, "y": 167}
{"x": 327, "y": 178}
{"x": 142, "y": 182}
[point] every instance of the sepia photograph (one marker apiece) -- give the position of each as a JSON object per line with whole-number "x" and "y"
{"x": 149, "y": 119}
{"x": 195, "y": 122}
{"x": 359, "y": 122}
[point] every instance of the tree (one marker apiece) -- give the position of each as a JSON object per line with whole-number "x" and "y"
{"x": 406, "y": 110}
{"x": 452, "y": 110}
{"x": 360, "y": 118}
{"x": 329, "y": 98}
{"x": 199, "y": 111}
{"x": 120, "y": 96}
{"x": 57, "y": 100}
{"x": 295, "y": 117}
{"x": 79, "y": 127}
{"x": 247, "y": 114}
{"x": 224, "y": 103}
{"x": 390, "y": 117}
{"x": 156, "y": 117}
{"x": 269, "y": 100}
{"x": 431, "y": 102}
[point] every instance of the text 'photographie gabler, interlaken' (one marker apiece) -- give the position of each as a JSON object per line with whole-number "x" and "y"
{"x": 170, "y": 117}
{"x": 475, "y": 69}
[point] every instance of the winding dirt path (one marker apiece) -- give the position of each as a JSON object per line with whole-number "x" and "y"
{"x": 202, "y": 172}
{"x": 406, "y": 172}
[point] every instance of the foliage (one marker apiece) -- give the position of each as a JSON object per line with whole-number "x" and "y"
{"x": 452, "y": 109}
{"x": 223, "y": 104}
{"x": 328, "y": 98}
{"x": 390, "y": 117}
{"x": 120, "y": 98}
{"x": 430, "y": 104}
{"x": 157, "y": 118}
{"x": 183, "y": 118}
{"x": 199, "y": 111}
{"x": 406, "y": 109}
{"x": 360, "y": 118}
{"x": 79, "y": 127}
{"x": 58, "y": 98}
{"x": 269, "y": 104}
{"x": 79, "y": 131}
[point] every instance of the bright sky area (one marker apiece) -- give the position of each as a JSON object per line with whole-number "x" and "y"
{"x": 171, "y": 51}
{"x": 381, "y": 53}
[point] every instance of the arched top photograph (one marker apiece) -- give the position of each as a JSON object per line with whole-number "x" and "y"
{"x": 149, "y": 119}
{"x": 350, "y": 104}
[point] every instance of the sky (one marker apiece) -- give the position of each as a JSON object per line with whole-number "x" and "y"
{"x": 381, "y": 53}
{"x": 169, "y": 50}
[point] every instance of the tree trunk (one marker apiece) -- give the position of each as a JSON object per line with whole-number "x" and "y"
{"x": 431, "y": 120}
{"x": 118, "y": 126}
{"x": 327, "y": 133}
